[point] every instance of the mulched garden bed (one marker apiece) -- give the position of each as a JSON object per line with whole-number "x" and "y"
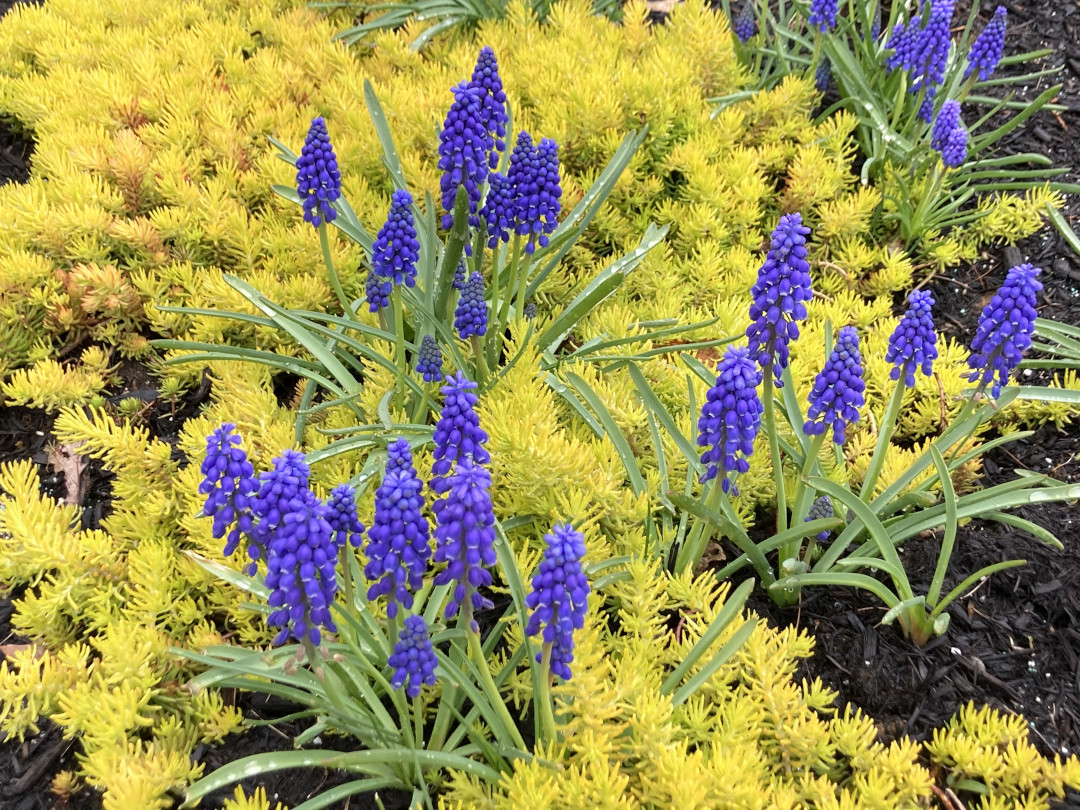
{"x": 1013, "y": 644}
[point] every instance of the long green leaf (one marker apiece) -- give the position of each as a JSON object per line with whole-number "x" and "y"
{"x": 614, "y": 434}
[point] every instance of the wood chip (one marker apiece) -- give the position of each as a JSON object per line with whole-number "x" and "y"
{"x": 65, "y": 459}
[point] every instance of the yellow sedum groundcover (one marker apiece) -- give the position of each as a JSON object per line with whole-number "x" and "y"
{"x": 152, "y": 176}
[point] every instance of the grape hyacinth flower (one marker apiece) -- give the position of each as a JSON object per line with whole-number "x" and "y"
{"x": 377, "y": 291}
{"x": 913, "y": 344}
{"x": 559, "y": 597}
{"x": 458, "y": 434}
{"x": 301, "y": 571}
{"x": 470, "y": 316}
{"x": 822, "y": 15}
{"x": 745, "y": 25}
{"x": 228, "y": 484}
{"x": 530, "y": 310}
{"x": 837, "y": 394}
{"x": 922, "y": 48}
{"x": 396, "y": 248}
{"x": 413, "y": 659}
{"x": 821, "y": 508}
{"x": 822, "y": 75}
{"x": 278, "y": 488}
{"x": 1005, "y": 329}
{"x": 493, "y": 105}
{"x": 779, "y": 296}
{"x": 429, "y": 362}
{"x": 987, "y": 49}
{"x": 731, "y": 417}
{"x": 343, "y": 518}
{"x": 465, "y": 534}
{"x": 537, "y": 194}
{"x": 464, "y": 146}
{"x": 498, "y": 210}
{"x": 318, "y": 181}
{"x": 398, "y": 548}
{"x": 949, "y": 136}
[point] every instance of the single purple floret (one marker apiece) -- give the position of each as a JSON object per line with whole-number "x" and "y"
{"x": 413, "y": 659}
{"x": 779, "y": 296}
{"x": 837, "y": 394}
{"x": 318, "y": 181}
{"x": 913, "y": 344}
{"x": 731, "y": 417}
{"x": 559, "y": 597}
{"x": 1005, "y": 329}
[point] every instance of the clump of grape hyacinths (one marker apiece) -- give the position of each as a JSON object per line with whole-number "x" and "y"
{"x": 913, "y": 344}
{"x": 949, "y": 136}
{"x": 559, "y": 597}
{"x": 779, "y": 296}
{"x": 822, "y": 15}
{"x": 471, "y": 317}
{"x": 396, "y": 248}
{"x": 318, "y": 181}
{"x": 429, "y": 361}
{"x": 821, "y": 508}
{"x": 745, "y": 25}
{"x": 987, "y": 49}
{"x": 343, "y": 518}
{"x": 413, "y": 659}
{"x": 398, "y": 549}
{"x": 1005, "y": 329}
{"x": 731, "y": 417}
{"x": 837, "y": 394}
{"x": 228, "y": 484}
{"x": 465, "y": 535}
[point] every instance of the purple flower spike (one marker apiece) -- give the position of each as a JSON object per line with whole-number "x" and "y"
{"x": 779, "y": 296}
{"x": 822, "y": 75}
{"x": 398, "y": 548}
{"x": 459, "y": 276}
{"x": 396, "y": 249}
{"x": 913, "y": 344}
{"x": 470, "y": 317}
{"x": 922, "y": 48}
{"x": 458, "y": 434}
{"x": 318, "y": 181}
{"x": 464, "y": 146}
{"x": 559, "y": 597}
{"x": 822, "y": 15}
{"x": 229, "y": 485}
{"x": 745, "y": 25}
{"x": 429, "y": 362}
{"x": 301, "y": 556}
{"x": 731, "y": 417}
{"x": 986, "y": 51}
{"x": 821, "y": 508}
{"x": 498, "y": 210}
{"x": 537, "y": 194}
{"x": 465, "y": 534}
{"x": 1005, "y": 329}
{"x": 837, "y": 394}
{"x": 278, "y": 489}
{"x": 413, "y": 659}
{"x": 343, "y": 517}
{"x": 949, "y": 135}
{"x": 377, "y": 290}
{"x": 493, "y": 107}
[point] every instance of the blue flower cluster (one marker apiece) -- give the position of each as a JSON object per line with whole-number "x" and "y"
{"x": 525, "y": 201}
{"x": 949, "y": 136}
{"x": 458, "y": 282}
{"x": 464, "y": 146}
{"x": 913, "y": 344}
{"x": 745, "y": 25}
{"x": 396, "y": 248}
{"x": 922, "y": 48}
{"x": 470, "y": 316}
{"x": 822, "y": 15}
{"x": 493, "y": 106}
{"x": 500, "y": 205}
{"x": 822, "y": 75}
{"x": 465, "y": 534}
{"x": 731, "y": 416}
{"x": 228, "y": 484}
{"x": 413, "y": 659}
{"x": 342, "y": 516}
{"x": 559, "y": 597}
{"x": 377, "y": 291}
{"x": 429, "y": 361}
{"x": 398, "y": 548}
{"x": 318, "y": 181}
{"x": 458, "y": 434}
{"x": 1005, "y": 329}
{"x": 987, "y": 49}
{"x": 821, "y": 508}
{"x": 837, "y": 394}
{"x": 279, "y": 488}
{"x": 779, "y": 296}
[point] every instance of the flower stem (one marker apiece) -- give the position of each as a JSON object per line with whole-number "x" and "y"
{"x": 549, "y": 730}
{"x": 418, "y": 721}
{"x": 420, "y": 412}
{"x": 885, "y": 433}
{"x": 803, "y": 494}
{"x": 481, "y": 363}
{"x": 522, "y": 282}
{"x": 335, "y": 282}
{"x": 690, "y": 553}
{"x": 487, "y": 683}
{"x": 774, "y": 450}
{"x": 399, "y": 329}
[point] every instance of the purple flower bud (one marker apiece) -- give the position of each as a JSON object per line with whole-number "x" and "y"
{"x": 396, "y": 249}
{"x": 913, "y": 344}
{"x": 821, "y": 508}
{"x": 1005, "y": 329}
{"x": 745, "y": 25}
{"x": 987, "y": 49}
{"x": 470, "y": 317}
{"x": 559, "y": 597}
{"x": 822, "y": 75}
{"x": 413, "y": 659}
{"x": 731, "y": 416}
{"x": 318, "y": 181}
{"x": 837, "y": 394}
